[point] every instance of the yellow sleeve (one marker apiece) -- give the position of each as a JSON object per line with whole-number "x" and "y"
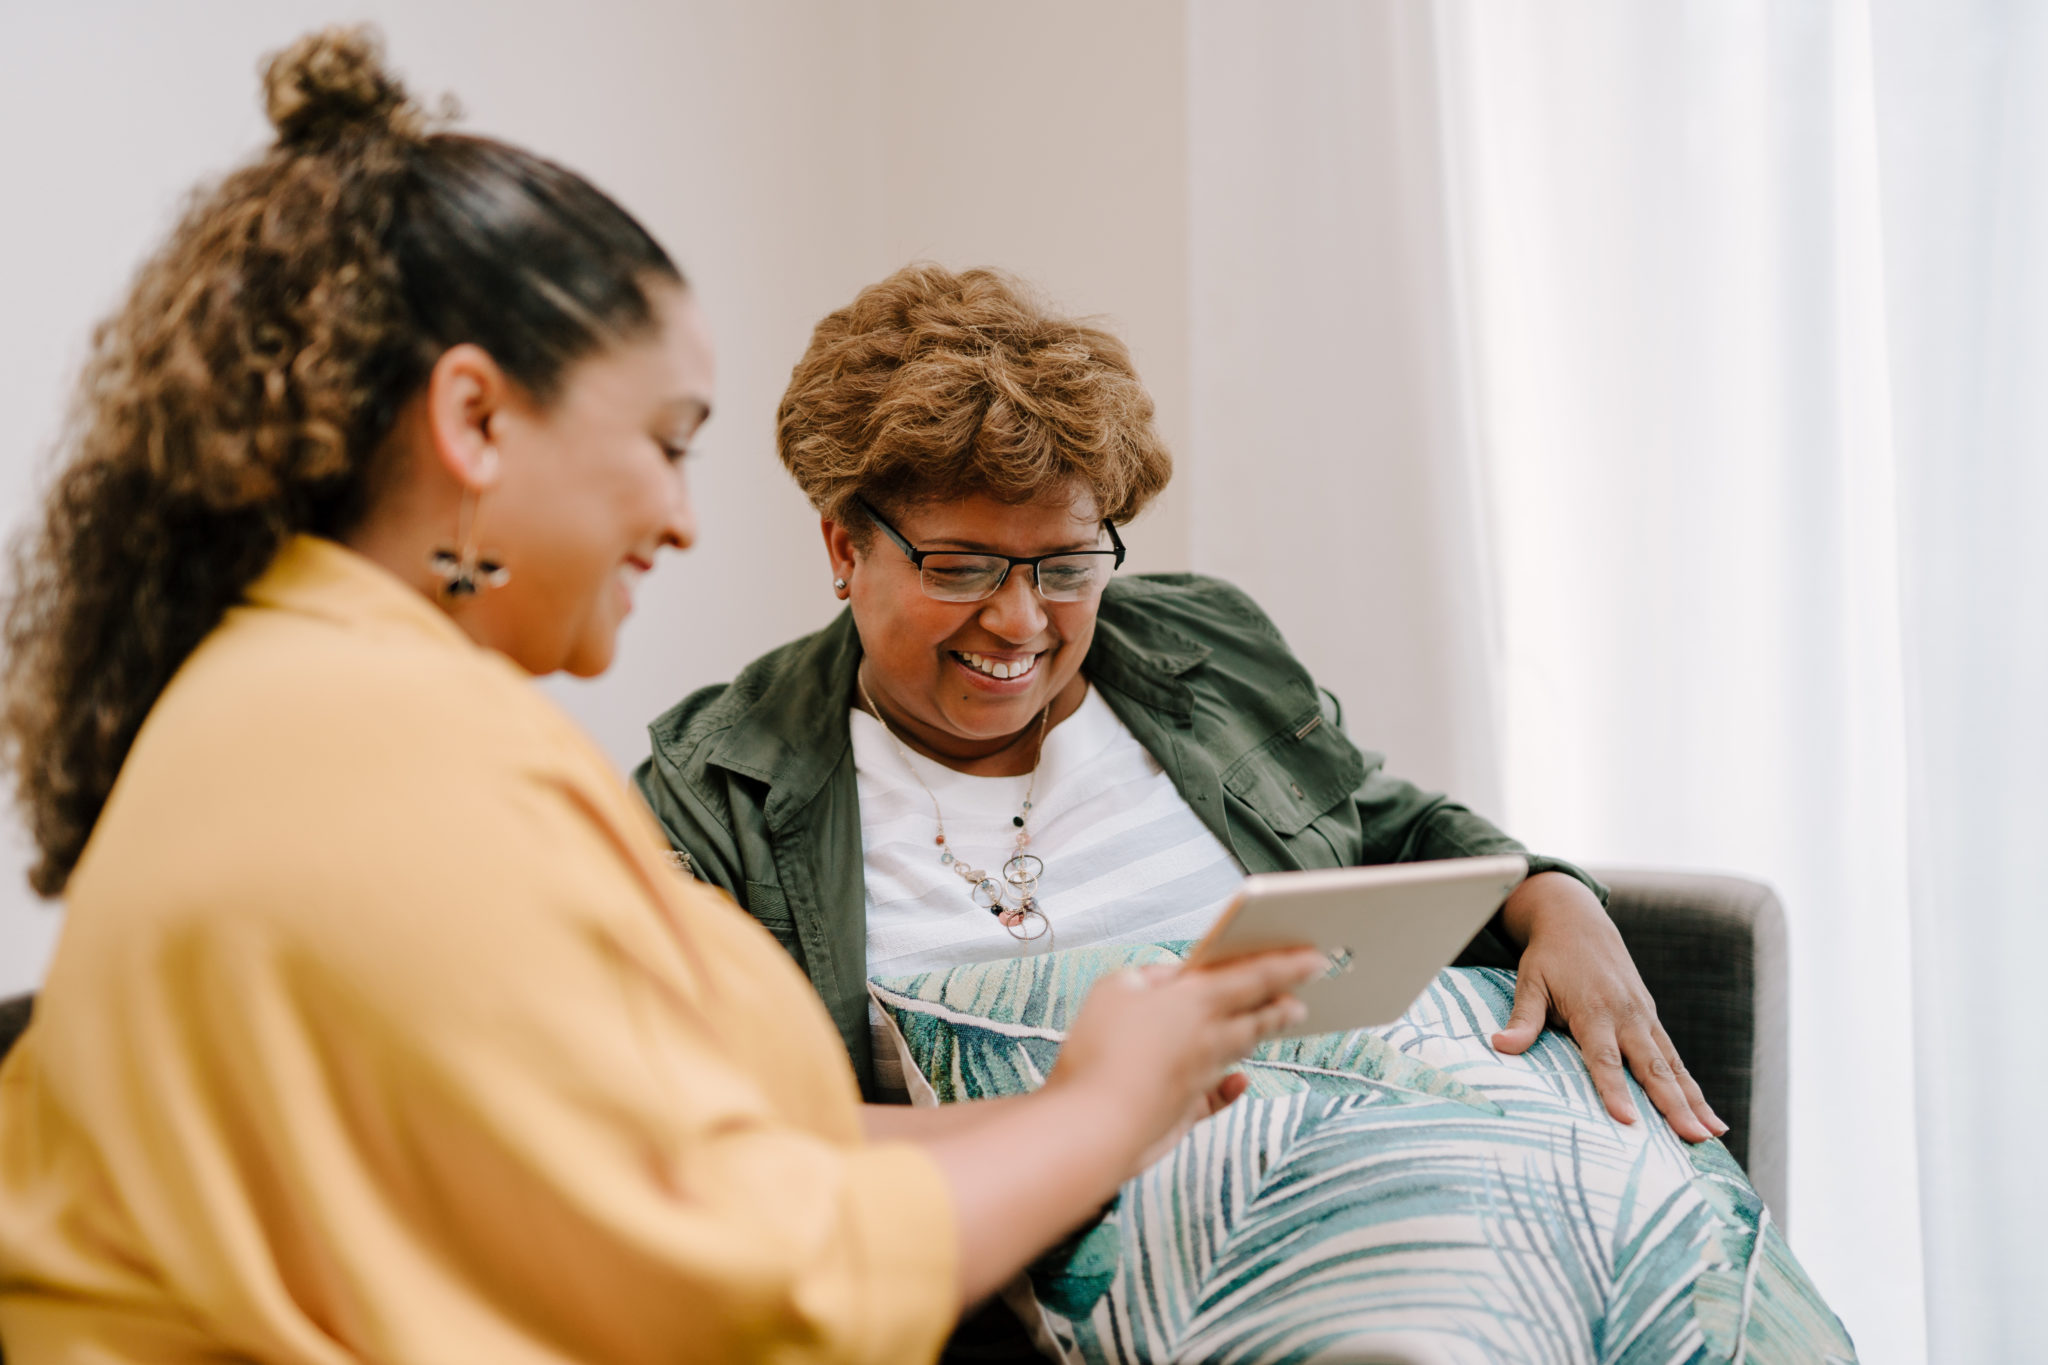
{"x": 482, "y": 1093}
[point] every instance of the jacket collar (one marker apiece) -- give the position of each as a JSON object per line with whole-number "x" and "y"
{"x": 794, "y": 734}
{"x": 1138, "y": 654}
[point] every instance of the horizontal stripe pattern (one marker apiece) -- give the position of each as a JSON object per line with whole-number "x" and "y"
{"x": 1126, "y": 858}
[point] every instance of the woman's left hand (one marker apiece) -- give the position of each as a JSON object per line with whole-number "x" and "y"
{"x": 1577, "y": 973}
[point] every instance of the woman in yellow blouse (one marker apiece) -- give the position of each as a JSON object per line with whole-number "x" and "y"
{"x": 379, "y": 1029}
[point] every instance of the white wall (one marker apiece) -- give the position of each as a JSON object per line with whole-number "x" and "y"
{"x": 787, "y": 152}
{"x": 1332, "y": 472}
{"x": 1051, "y": 138}
{"x": 1048, "y": 140}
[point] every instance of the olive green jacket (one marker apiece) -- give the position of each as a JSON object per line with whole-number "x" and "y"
{"x": 754, "y": 779}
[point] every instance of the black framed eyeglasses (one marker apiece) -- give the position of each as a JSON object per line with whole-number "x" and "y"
{"x": 961, "y": 576}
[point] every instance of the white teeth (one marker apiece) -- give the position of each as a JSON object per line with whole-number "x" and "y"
{"x": 997, "y": 668}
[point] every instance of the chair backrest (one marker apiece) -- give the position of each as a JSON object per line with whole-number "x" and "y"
{"x": 14, "y": 1013}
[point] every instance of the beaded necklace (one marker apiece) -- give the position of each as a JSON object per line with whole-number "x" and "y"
{"x": 1020, "y": 873}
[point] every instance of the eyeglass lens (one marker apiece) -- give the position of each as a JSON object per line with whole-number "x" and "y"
{"x": 970, "y": 578}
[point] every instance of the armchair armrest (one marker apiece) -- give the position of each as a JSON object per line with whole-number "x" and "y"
{"x": 1712, "y": 951}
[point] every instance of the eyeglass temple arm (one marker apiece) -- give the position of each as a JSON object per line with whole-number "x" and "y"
{"x": 876, "y": 517}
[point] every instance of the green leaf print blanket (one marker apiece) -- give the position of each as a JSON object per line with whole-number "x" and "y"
{"x": 1396, "y": 1194}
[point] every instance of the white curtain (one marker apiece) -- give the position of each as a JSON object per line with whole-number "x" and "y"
{"x": 1963, "y": 135}
{"x": 1627, "y": 407}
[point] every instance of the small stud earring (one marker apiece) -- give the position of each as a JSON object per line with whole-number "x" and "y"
{"x": 839, "y": 585}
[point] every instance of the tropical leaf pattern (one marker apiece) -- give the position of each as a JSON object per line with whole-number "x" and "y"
{"x": 1399, "y": 1194}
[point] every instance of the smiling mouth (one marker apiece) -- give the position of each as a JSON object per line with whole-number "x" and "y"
{"x": 1006, "y": 670}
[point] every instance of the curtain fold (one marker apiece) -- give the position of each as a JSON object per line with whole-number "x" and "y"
{"x": 1669, "y": 368}
{"x": 1962, "y": 116}
{"x": 1678, "y": 324}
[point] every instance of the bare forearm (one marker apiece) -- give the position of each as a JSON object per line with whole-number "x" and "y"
{"x": 1145, "y": 1058}
{"x": 1026, "y": 1172}
{"x": 904, "y": 1123}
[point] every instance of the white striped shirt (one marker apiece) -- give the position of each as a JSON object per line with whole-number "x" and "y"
{"x": 1126, "y": 858}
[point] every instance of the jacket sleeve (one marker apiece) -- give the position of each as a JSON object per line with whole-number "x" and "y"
{"x": 698, "y": 827}
{"x": 1401, "y": 822}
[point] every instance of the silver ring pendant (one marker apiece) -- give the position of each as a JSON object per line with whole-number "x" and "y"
{"x": 1023, "y": 870}
{"x": 1025, "y": 925}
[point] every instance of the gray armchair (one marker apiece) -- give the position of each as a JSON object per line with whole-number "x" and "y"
{"x": 1712, "y": 950}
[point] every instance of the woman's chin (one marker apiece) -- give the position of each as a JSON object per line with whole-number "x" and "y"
{"x": 980, "y": 719}
{"x": 589, "y": 657}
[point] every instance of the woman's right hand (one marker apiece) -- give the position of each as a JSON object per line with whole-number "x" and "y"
{"x": 1144, "y": 1060}
{"x": 1155, "y": 1043}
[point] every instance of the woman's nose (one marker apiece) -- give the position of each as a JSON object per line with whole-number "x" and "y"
{"x": 1014, "y": 613}
{"x": 681, "y": 529}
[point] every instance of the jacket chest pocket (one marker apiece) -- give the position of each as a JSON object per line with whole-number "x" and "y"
{"x": 767, "y": 904}
{"x": 1297, "y": 773}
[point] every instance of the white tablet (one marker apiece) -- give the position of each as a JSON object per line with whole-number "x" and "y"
{"x": 1388, "y": 930}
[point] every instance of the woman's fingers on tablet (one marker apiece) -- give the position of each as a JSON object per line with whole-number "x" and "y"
{"x": 1252, "y": 983}
{"x": 1277, "y": 1017}
{"x": 1244, "y": 1030}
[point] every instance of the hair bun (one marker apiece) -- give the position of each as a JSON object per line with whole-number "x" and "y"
{"x": 332, "y": 82}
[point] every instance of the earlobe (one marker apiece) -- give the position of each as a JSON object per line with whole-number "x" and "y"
{"x": 465, "y": 391}
{"x": 839, "y": 552}
{"x": 486, "y": 465}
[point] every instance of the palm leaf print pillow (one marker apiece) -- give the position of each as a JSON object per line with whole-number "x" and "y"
{"x": 1397, "y": 1194}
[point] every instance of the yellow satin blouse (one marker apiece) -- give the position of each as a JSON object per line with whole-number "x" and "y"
{"x": 379, "y": 1030}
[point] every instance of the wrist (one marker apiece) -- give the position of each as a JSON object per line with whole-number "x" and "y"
{"x": 1548, "y": 900}
{"x": 1107, "y": 1110}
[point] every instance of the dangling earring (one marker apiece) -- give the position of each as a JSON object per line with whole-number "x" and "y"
{"x": 465, "y": 573}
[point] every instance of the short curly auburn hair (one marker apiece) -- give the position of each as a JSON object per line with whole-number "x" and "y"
{"x": 933, "y": 384}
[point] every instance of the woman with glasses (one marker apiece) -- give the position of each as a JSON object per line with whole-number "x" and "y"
{"x": 1006, "y": 746}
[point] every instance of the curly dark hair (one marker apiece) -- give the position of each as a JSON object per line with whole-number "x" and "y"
{"x": 241, "y": 393}
{"x": 933, "y": 383}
